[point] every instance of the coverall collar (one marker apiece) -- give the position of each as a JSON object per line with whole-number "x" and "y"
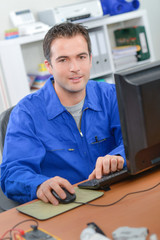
{"x": 54, "y": 106}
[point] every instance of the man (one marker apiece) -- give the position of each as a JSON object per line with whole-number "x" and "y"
{"x": 67, "y": 131}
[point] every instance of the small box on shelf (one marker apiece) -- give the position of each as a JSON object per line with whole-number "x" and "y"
{"x": 37, "y": 80}
{"x": 11, "y": 33}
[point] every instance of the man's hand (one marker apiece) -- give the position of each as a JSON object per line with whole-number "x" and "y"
{"x": 105, "y": 165}
{"x": 55, "y": 183}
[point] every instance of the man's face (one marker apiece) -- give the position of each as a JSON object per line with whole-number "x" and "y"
{"x": 70, "y": 64}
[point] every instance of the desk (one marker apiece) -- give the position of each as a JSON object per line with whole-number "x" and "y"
{"x": 138, "y": 210}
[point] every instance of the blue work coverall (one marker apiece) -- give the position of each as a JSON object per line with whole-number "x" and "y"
{"x": 43, "y": 141}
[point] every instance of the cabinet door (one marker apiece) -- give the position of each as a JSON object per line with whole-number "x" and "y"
{"x": 14, "y": 73}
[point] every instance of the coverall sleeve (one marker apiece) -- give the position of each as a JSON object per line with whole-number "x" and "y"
{"x": 22, "y": 157}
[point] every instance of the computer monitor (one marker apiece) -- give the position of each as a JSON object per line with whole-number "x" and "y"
{"x": 138, "y": 94}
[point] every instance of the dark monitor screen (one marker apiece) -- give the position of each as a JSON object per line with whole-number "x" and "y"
{"x": 138, "y": 94}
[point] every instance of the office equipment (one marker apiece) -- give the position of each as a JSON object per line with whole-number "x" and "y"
{"x": 96, "y": 228}
{"x": 42, "y": 211}
{"x": 130, "y": 233}
{"x": 90, "y": 233}
{"x": 137, "y": 210}
{"x": 100, "y": 58}
{"x": 103, "y": 54}
{"x": 71, "y": 12}
{"x": 138, "y": 93}
{"x": 16, "y": 232}
{"x": 32, "y": 28}
{"x": 25, "y": 22}
{"x": 114, "y": 7}
{"x": 134, "y": 36}
{"x": 105, "y": 181}
{"x": 28, "y": 52}
{"x": 21, "y": 17}
{"x": 69, "y": 197}
{"x": 35, "y": 234}
{"x": 96, "y": 68}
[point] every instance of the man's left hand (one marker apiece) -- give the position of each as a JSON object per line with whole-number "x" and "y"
{"x": 105, "y": 165}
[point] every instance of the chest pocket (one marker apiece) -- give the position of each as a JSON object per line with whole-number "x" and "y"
{"x": 62, "y": 154}
{"x": 62, "y": 146}
{"x": 101, "y": 145}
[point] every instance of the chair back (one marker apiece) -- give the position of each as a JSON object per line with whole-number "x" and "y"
{"x": 5, "y": 203}
{"x": 4, "y": 118}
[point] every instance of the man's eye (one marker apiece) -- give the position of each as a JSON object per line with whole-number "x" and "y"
{"x": 82, "y": 57}
{"x": 62, "y": 60}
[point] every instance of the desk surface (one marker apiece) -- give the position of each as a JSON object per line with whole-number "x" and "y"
{"x": 137, "y": 210}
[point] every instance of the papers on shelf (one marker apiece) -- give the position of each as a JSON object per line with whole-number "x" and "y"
{"x": 126, "y": 55}
{"x": 124, "y": 61}
{"x": 126, "y": 49}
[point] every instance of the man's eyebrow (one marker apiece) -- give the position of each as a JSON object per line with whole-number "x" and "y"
{"x": 60, "y": 57}
{"x": 83, "y": 53}
{"x": 80, "y": 54}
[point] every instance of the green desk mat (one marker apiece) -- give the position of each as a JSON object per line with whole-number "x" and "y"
{"x": 43, "y": 211}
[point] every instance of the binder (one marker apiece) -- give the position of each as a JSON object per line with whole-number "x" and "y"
{"x": 134, "y": 36}
{"x": 93, "y": 53}
{"x": 96, "y": 68}
{"x": 103, "y": 55}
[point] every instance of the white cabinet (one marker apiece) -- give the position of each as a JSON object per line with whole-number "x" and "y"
{"x": 22, "y": 55}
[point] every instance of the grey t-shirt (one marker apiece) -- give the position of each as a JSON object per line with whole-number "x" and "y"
{"x": 76, "y": 112}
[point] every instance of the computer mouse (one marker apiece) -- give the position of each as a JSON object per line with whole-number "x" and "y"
{"x": 69, "y": 196}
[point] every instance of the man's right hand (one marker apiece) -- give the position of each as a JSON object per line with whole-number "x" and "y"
{"x": 56, "y": 183}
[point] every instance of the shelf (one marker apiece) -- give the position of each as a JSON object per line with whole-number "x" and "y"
{"x": 22, "y": 55}
{"x": 23, "y": 40}
{"x": 125, "y": 17}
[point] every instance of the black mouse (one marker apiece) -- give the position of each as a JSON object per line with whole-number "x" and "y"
{"x": 69, "y": 196}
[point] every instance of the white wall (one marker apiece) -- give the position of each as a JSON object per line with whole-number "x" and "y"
{"x": 34, "y": 5}
{"x": 152, "y": 7}
{"x": 153, "y": 10}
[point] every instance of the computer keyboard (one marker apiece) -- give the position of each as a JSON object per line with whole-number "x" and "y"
{"x": 106, "y": 180}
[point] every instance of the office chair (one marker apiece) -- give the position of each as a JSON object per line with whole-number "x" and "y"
{"x": 5, "y": 203}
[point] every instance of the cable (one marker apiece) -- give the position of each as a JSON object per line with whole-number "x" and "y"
{"x": 2, "y": 237}
{"x": 111, "y": 204}
{"x": 9, "y": 231}
{"x": 90, "y": 204}
{"x": 19, "y": 230}
{"x": 6, "y": 238}
{"x": 28, "y": 220}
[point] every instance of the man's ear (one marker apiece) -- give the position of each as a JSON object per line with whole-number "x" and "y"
{"x": 48, "y": 66}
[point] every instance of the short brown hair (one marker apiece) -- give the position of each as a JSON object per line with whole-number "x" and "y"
{"x": 66, "y": 29}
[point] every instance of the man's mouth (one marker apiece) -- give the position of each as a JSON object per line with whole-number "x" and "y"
{"x": 75, "y": 79}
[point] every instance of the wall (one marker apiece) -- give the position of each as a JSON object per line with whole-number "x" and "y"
{"x": 152, "y": 8}
{"x": 34, "y": 5}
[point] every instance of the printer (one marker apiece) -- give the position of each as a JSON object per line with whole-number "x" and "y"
{"x": 25, "y": 21}
{"x": 72, "y": 12}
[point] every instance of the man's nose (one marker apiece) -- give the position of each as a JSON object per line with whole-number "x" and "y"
{"x": 74, "y": 66}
